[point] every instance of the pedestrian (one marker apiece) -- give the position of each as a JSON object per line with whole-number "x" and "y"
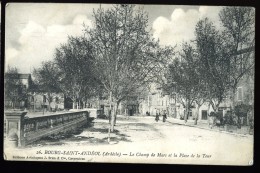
{"x": 164, "y": 116}
{"x": 157, "y": 116}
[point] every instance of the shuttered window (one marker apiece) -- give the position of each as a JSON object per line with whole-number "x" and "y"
{"x": 240, "y": 94}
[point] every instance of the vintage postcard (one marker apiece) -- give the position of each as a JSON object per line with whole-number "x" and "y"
{"x": 126, "y": 83}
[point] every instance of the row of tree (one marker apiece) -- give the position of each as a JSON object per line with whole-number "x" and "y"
{"x": 15, "y": 91}
{"x": 210, "y": 67}
{"x": 117, "y": 58}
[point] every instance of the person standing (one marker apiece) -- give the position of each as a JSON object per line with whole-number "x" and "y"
{"x": 164, "y": 116}
{"x": 157, "y": 116}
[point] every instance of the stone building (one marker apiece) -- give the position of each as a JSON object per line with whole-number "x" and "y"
{"x": 21, "y": 83}
{"x": 35, "y": 98}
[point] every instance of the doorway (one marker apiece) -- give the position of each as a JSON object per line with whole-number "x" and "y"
{"x": 204, "y": 114}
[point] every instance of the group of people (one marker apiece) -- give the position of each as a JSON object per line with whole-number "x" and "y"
{"x": 158, "y": 115}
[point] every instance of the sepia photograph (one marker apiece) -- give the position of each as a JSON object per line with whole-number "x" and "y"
{"x": 129, "y": 83}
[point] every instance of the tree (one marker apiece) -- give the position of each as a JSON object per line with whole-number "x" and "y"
{"x": 241, "y": 111}
{"x": 46, "y": 80}
{"x": 201, "y": 90}
{"x": 124, "y": 52}
{"x": 74, "y": 64}
{"x": 15, "y": 91}
{"x": 239, "y": 32}
{"x": 183, "y": 77}
{"x": 213, "y": 60}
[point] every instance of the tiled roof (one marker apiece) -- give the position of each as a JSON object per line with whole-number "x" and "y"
{"x": 16, "y": 76}
{"x": 24, "y": 76}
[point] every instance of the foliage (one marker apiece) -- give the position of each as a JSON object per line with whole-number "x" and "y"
{"x": 184, "y": 78}
{"x": 213, "y": 67}
{"x": 124, "y": 51}
{"x": 14, "y": 91}
{"x": 125, "y": 54}
{"x": 214, "y": 63}
{"x": 241, "y": 110}
{"x": 46, "y": 77}
{"x": 118, "y": 58}
{"x": 74, "y": 64}
{"x": 239, "y": 36}
{"x": 46, "y": 80}
{"x": 230, "y": 119}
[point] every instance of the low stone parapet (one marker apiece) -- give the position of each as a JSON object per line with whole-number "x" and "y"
{"x": 21, "y": 130}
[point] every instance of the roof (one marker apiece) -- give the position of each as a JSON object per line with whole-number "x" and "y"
{"x": 17, "y": 76}
{"x": 42, "y": 88}
{"x": 24, "y": 76}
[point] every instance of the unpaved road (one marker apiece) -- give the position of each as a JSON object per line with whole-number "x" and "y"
{"x": 137, "y": 138}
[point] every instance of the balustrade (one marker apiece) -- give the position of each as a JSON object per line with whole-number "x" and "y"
{"x": 31, "y": 129}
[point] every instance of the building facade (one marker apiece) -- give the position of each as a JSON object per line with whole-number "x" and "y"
{"x": 33, "y": 98}
{"x": 157, "y": 101}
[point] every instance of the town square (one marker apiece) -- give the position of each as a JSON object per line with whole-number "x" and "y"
{"x": 170, "y": 84}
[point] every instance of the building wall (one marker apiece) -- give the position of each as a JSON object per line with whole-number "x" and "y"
{"x": 155, "y": 102}
{"x": 36, "y": 101}
{"x": 245, "y": 91}
{"x": 25, "y": 82}
{"x": 203, "y": 110}
{"x": 18, "y": 104}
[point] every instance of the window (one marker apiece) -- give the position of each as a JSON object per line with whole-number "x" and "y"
{"x": 239, "y": 94}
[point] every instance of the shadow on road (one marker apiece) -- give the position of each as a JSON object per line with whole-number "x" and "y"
{"x": 96, "y": 133}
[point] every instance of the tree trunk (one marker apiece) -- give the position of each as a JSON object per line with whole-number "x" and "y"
{"x": 111, "y": 114}
{"x": 114, "y": 115}
{"x": 197, "y": 115}
{"x": 112, "y": 122}
{"x": 215, "y": 107}
{"x": 13, "y": 104}
{"x": 208, "y": 117}
{"x": 80, "y": 105}
{"x": 49, "y": 106}
{"x": 113, "y": 119}
{"x": 116, "y": 108}
{"x": 208, "y": 108}
{"x": 99, "y": 107}
{"x": 232, "y": 104}
{"x": 186, "y": 113}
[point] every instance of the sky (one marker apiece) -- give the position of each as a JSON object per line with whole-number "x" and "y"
{"x": 34, "y": 30}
